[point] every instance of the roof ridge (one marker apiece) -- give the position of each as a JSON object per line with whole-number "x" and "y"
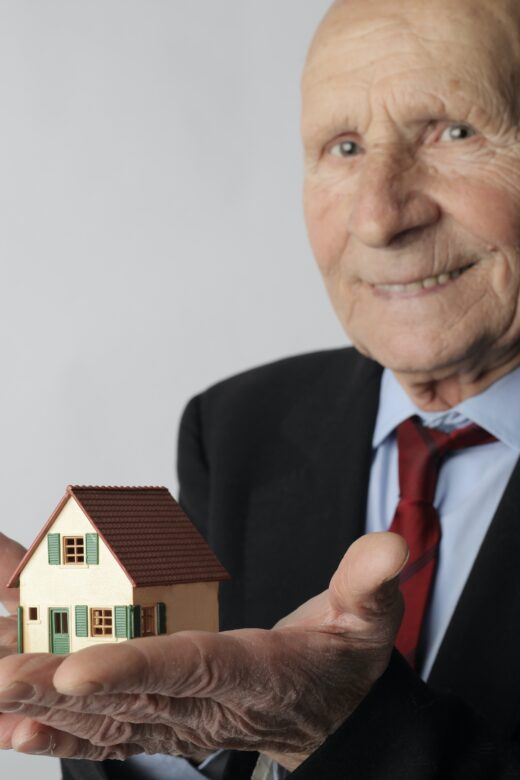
{"x": 133, "y": 488}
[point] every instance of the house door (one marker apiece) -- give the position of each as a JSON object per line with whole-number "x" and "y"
{"x": 59, "y": 631}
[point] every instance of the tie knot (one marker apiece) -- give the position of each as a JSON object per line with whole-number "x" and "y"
{"x": 422, "y": 450}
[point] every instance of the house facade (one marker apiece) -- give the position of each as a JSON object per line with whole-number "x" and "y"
{"x": 111, "y": 564}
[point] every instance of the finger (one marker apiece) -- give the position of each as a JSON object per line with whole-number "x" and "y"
{"x": 105, "y": 719}
{"x": 100, "y": 730}
{"x": 11, "y": 553}
{"x": 27, "y": 680}
{"x": 366, "y": 583}
{"x": 27, "y": 672}
{"x": 186, "y": 664}
{"x": 8, "y": 635}
{"x": 29, "y": 736}
{"x": 8, "y": 724}
{"x": 179, "y": 726}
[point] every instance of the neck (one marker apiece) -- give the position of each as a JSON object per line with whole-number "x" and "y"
{"x": 437, "y": 393}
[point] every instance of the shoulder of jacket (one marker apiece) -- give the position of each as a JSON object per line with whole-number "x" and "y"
{"x": 284, "y": 377}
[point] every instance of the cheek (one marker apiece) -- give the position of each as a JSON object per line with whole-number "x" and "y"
{"x": 326, "y": 220}
{"x": 490, "y": 213}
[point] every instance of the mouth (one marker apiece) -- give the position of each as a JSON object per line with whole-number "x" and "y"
{"x": 429, "y": 283}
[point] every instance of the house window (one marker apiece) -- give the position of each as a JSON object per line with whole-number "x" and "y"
{"x": 101, "y": 622}
{"x": 73, "y": 549}
{"x": 34, "y": 613}
{"x": 147, "y": 621}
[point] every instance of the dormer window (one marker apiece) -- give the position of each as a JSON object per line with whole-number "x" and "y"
{"x": 73, "y": 549}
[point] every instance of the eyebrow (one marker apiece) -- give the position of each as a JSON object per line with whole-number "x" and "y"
{"x": 421, "y": 108}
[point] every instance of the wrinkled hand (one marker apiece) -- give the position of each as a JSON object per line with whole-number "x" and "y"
{"x": 281, "y": 692}
{"x": 11, "y": 554}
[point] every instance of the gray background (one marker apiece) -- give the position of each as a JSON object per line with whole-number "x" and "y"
{"x": 151, "y": 238}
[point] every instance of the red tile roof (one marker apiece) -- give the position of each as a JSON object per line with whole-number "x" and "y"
{"x": 148, "y": 533}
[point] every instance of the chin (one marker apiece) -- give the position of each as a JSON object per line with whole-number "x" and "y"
{"x": 412, "y": 354}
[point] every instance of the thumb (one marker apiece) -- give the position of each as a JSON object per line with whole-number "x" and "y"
{"x": 11, "y": 553}
{"x": 366, "y": 583}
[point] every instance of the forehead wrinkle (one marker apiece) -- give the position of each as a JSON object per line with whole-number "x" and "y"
{"x": 423, "y": 51}
{"x": 337, "y": 109}
{"x": 338, "y": 62}
{"x": 488, "y": 20}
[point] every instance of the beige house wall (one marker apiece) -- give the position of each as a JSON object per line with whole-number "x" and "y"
{"x": 191, "y": 607}
{"x": 102, "y": 585}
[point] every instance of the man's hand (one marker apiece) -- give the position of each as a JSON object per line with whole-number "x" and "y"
{"x": 281, "y": 692}
{"x": 11, "y": 553}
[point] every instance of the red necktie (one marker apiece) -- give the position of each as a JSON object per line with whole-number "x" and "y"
{"x": 421, "y": 451}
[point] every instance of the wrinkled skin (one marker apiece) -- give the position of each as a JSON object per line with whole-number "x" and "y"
{"x": 412, "y": 169}
{"x": 280, "y": 691}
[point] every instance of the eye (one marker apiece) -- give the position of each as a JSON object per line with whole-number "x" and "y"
{"x": 344, "y": 149}
{"x": 457, "y": 132}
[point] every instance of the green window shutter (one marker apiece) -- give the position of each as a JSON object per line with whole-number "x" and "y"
{"x": 92, "y": 548}
{"x": 136, "y": 620}
{"x": 160, "y": 615}
{"x": 19, "y": 616}
{"x": 81, "y": 615}
{"x": 54, "y": 549}
{"x": 121, "y": 622}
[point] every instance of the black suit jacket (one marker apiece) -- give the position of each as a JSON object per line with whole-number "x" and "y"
{"x": 274, "y": 467}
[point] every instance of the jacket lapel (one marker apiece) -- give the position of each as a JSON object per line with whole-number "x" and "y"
{"x": 334, "y": 426}
{"x": 304, "y": 517}
{"x": 482, "y": 642}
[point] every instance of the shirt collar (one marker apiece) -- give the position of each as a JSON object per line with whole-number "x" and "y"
{"x": 497, "y": 410}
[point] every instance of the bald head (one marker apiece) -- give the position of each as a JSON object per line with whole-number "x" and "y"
{"x": 498, "y": 21}
{"x": 412, "y": 147}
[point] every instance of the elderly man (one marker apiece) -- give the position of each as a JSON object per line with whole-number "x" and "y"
{"x": 412, "y": 199}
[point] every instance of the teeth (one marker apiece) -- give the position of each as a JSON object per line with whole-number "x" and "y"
{"x": 431, "y": 281}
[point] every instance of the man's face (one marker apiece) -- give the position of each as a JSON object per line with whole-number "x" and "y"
{"x": 412, "y": 188}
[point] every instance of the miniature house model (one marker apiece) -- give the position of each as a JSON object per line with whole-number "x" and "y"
{"x": 114, "y": 563}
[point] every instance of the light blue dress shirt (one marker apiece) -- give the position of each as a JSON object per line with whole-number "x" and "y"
{"x": 470, "y": 485}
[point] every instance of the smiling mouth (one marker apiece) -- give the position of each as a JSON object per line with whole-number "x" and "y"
{"x": 424, "y": 284}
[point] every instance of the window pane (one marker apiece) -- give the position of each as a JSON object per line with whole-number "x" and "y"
{"x": 101, "y": 622}
{"x": 74, "y": 549}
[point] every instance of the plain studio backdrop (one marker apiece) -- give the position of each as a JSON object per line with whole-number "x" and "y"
{"x": 152, "y": 238}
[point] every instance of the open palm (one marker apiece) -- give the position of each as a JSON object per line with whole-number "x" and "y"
{"x": 281, "y": 692}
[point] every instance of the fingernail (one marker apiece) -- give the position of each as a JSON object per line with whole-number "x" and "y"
{"x": 38, "y": 744}
{"x": 84, "y": 689}
{"x": 17, "y": 691}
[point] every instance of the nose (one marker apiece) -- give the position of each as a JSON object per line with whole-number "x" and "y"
{"x": 389, "y": 201}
